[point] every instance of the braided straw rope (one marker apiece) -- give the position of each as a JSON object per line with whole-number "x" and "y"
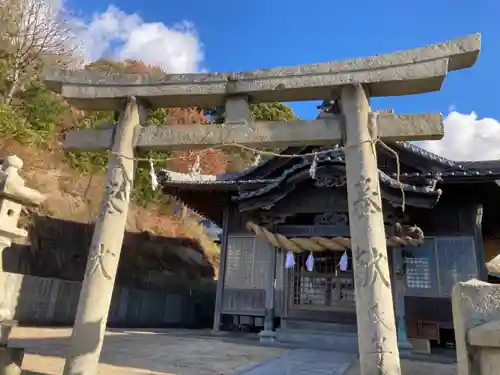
{"x": 301, "y": 244}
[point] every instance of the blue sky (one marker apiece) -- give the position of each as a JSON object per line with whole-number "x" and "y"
{"x": 226, "y": 35}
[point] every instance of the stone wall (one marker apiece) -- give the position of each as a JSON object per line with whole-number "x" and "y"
{"x": 59, "y": 249}
{"x": 46, "y": 301}
{"x": 476, "y": 319}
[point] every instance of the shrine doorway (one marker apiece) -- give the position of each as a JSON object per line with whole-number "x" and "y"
{"x": 324, "y": 294}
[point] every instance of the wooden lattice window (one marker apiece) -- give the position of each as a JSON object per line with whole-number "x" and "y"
{"x": 324, "y": 288}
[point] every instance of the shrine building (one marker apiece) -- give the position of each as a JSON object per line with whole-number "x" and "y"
{"x": 442, "y": 225}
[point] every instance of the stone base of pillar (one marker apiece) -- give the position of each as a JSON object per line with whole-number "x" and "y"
{"x": 405, "y": 345}
{"x": 267, "y": 336}
{"x": 11, "y": 360}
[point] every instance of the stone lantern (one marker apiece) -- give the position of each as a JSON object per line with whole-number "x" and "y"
{"x": 13, "y": 196}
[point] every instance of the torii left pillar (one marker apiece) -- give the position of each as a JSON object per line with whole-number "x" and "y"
{"x": 104, "y": 253}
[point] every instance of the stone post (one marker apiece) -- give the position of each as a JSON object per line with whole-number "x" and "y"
{"x": 13, "y": 195}
{"x": 104, "y": 253}
{"x": 378, "y": 348}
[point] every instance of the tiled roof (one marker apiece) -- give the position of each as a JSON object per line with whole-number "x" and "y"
{"x": 446, "y": 169}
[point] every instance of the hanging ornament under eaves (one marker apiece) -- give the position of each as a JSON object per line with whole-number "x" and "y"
{"x": 195, "y": 170}
{"x": 344, "y": 262}
{"x": 152, "y": 175}
{"x": 310, "y": 262}
{"x": 314, "y": 165}
{"x": 290, "y": 259}
{"x": 256, "y": 161}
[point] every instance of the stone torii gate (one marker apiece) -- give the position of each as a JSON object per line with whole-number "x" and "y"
{"x": 353, "y": 81}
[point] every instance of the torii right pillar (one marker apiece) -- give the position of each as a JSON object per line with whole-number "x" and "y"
{"x": 377, "y": 334}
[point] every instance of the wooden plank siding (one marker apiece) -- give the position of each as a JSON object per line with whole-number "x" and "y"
{"x": 247, "y": 275}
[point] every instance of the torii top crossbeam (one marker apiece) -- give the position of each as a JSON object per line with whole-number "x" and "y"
{"x": 412, "y": 71}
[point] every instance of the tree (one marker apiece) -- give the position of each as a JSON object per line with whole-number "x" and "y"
{"x": 272, "y": 112}
{"x": 239, "y": 159}
{"x": 31, "y": 31}
{"x": 43, "y": 111}
{"x": 211, "y": 161}
{"x": 258, "y": 112}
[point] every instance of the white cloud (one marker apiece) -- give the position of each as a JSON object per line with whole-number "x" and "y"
{"x": 466, "y": 137}
{"x": 117, "y": 34}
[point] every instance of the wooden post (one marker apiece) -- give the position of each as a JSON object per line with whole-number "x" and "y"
{"x": 399, "y": 298}
{"x": 477, "y": 217}
{"x": 268, "y": 334}
{"x": 378, "y": 349}
{"x": 222, "y": 267}
{"x": 104, "y": 253}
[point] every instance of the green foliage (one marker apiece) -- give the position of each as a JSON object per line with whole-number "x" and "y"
{"x": 258, "y": 112}
{"x": 43, "y": 111}
{"x": 4, "y": 72}
{"x": 36, "y": 121}
{"x": 157, "y": 116}
{"x": 11, "y": 123}
{"x": 142, "y": 192}
{"x": 105, "y": 65}
{"x": 239, "y": 159}
{"x": 272, "y": 112}
{"x": 97, "y": 161}
{"x": 91, "y": 161}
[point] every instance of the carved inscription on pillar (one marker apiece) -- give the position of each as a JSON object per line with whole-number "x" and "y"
{"x": 367, "y": 198}
{"x": 98, "y": 261}
{"x": 380, "y": 344}
{"x": 368, "y": 267}
{"x": 376, "y": 316}
{"x": 118, "y": 191}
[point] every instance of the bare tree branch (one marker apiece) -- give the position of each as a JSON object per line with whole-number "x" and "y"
{"x": 32, "y": 32}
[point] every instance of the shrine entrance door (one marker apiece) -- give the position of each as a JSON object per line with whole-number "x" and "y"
{"x": 324, "y": 294}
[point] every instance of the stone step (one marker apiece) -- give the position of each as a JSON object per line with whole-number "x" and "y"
{"x": 314, "y": 339}
{"x": 322, "y": 326}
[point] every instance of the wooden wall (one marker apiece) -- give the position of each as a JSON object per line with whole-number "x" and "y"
{"x": 248, "y": 273}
